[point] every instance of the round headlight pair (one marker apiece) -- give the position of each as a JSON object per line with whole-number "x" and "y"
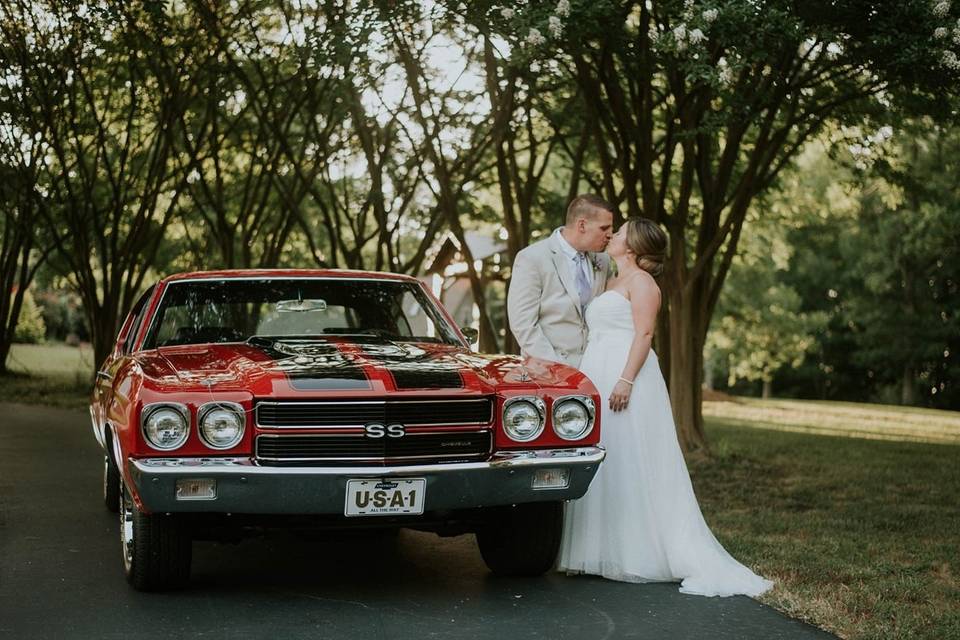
{"x": 524, "y": 418}
{"x": 573, "y": 417}
{"x": 167, "y": 426}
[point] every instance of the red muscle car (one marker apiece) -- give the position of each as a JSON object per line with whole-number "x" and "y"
{"x": 236, "y": 401}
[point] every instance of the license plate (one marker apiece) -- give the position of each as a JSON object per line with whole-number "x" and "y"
{"x": 385, "y": 497}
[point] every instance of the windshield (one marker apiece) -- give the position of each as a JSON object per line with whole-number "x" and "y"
{"x": 201, "y": 311}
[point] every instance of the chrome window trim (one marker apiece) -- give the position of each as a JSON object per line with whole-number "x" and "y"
{"x": 408, "y": 280}
{"x": 454, "y": 331}
{"x": 587, "y": 403}
{"x": 487, "y": 422}
{"x": 179, "y": 407}
{"x": 541, "y": 408}
{"x": 141, "y": 316}
{"x": 206, "y": 407}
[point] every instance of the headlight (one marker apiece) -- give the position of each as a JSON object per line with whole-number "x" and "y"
{"x": 573, "y": 417}
{"x": 221, "y": 424}
{"x": 523, "y": 418}
{"x": 165, "y": 426}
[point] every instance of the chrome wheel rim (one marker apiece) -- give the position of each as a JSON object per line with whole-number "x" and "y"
{"x": 126, "y": 527}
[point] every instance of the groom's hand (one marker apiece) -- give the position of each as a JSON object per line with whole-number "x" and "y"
{"x": 620, "y": 396}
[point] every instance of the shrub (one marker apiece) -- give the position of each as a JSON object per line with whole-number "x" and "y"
{"x": 30, "y": 325}
{"x": 63, "y": 315}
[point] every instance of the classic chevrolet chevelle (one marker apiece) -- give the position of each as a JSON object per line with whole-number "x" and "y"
{"x": 239, "y": 401}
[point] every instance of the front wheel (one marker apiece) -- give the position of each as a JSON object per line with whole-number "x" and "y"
{"x": 156, "y": 547}
{"x": 521, "y": 540}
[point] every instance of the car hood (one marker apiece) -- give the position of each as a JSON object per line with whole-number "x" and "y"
{"x": 318, "y": 368}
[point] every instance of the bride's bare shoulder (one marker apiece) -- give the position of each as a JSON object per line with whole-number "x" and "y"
{"x": 643, "y": 288}
{"x": 642, "y": 282}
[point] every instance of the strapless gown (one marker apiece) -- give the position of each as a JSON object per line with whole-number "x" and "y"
{"x": 640, "y": 520}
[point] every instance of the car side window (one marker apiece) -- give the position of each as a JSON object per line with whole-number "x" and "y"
{"x": 140, "y": 309}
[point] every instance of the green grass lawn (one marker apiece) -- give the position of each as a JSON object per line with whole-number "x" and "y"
{"x": 52, "y": 374}
{"x": 860, "y": 531}
{"x": 53, "y": 359}
{"x": 853, "y": 509}
{"x": 870, "y": 421}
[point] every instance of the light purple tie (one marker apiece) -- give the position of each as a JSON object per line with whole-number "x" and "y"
{"x": 583, "y": 285}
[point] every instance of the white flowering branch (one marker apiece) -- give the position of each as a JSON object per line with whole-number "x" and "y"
{"x": 535, "y": 36}
{"x": 949, "y": 59}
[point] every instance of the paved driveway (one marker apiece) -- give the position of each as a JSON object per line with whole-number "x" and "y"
{"x": 60, "y": 574}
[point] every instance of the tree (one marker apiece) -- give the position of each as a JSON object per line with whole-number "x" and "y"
{"x": 455, "y": 134}
{"x": 377, "y": 200}
{"x": 873, "y": 248}
{"x": 103, "y": 102}
{"x": 905, "y": 315}
{"x": 535, "y": 134}
{"x": 258, "y": 129}
{"x": 295, "y": 140}
{"x": 760, "y": 326}
{"x": 697, "y": 108}
{"x": 23, "y": 248}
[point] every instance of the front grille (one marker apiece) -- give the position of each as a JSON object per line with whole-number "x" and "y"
{"x": 334, "y": 449}
{"x": 348, "y": 413}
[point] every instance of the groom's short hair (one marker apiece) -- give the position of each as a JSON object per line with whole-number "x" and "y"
{"x": 586, "y": 206}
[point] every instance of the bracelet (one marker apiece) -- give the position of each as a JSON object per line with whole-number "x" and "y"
{"x": 629, "y": 382}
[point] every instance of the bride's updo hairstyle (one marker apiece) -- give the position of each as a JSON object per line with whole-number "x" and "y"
{"x": 647, "y": 241}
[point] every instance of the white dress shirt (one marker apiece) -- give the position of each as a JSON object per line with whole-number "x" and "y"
{"x": 571, "y": 255}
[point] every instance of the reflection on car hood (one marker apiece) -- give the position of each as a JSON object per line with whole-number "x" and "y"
{"x": 273, "y": 367}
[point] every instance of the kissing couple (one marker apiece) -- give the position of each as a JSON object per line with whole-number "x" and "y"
{"x": 639, "y": 521}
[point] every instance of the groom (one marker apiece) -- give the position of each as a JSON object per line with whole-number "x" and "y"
{"x": 555, "y": 278}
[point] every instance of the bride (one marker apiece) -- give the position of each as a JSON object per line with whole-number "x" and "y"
{"x": 640, "y": 521}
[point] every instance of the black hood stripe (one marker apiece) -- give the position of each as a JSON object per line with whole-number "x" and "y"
{"x": 325, "y": 366}
{"x": 314, "y": 367}
{"x": 426, "y": 376}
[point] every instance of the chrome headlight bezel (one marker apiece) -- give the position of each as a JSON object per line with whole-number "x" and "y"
{"x": 150, "y": 410}
{"x": 588, "y": 405}
{"x": 204, "y": 411}
{"x": 538, "y": 405}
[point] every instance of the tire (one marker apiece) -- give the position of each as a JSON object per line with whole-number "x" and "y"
{"x": 156, "y": 548}
{"x": 522, "y": 540}
{"x": 111, "y": 484}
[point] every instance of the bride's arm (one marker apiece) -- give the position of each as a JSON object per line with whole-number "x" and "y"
{"x": 644, "y": 305}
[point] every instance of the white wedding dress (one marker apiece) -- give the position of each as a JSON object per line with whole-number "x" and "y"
{"x": 640, "y": 521}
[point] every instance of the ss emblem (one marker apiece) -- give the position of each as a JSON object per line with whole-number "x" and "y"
{"x": 375, "y": 430}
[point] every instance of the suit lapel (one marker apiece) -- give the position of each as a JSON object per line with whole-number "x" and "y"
{"x": 566, "y": 278}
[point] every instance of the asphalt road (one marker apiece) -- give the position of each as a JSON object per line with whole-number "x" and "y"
{"x": 61, "y": 575}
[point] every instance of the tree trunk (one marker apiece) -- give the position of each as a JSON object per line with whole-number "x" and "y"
{"x": 103, "y": 333}
{"x": 709, "y": 374}
{"x": 509, "y": 340}
{"x": 10, "y": 330}
{"x": 687, "y": 333}
{"x": 767, "y": 392}
{"x": 908, "y": 389}
{"x": 4, "y": 352}
{"x": 489, "y": 343}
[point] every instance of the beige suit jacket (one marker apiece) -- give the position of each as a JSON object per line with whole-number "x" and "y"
{"x": 543, "y": 304}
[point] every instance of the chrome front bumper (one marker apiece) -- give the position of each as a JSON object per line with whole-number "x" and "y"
{"x": 245, "y": 487}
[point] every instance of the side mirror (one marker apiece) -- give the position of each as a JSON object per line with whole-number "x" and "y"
{"x": 471, "y": 334}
